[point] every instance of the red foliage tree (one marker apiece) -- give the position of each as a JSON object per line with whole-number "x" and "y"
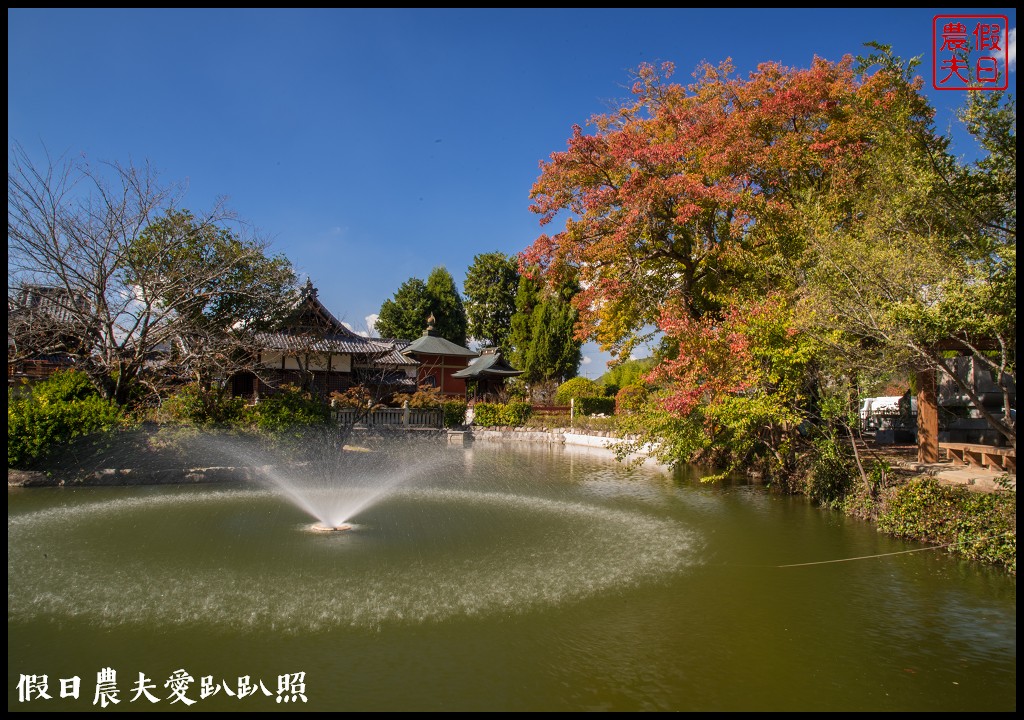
{"x": 683, "y": 195}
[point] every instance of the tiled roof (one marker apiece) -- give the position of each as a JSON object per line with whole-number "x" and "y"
{"x": 432, "y": 344}
{"x": 392, "y": 350}
{"x": 331, "y": 343}
{"x": 490, "y": 364}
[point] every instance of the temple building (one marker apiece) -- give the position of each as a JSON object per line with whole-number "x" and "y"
{"x": 486, "y": 375}
{"x": 439, "y": 361}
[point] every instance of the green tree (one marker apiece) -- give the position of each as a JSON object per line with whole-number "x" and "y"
{"x": 492, "y": 282}
{"x": 627, "y": 373}
{"x": 576, "y": 388}
{"x": 446, "y": 306}
{"x": 542, "y": 338}
{"x": 214, "y": 317}
{"x": 404, "y": 316}
{"x": 919, "y": 258}
{"x": 66, "y": 406}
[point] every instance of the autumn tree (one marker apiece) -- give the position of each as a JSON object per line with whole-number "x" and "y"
{"x": 492, "y": 282}
{"x": 104, "y": 268}
{"x": 684, "y": 194}
{"x": 682, "y": 216}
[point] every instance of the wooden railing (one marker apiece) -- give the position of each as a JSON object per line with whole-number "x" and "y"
{"x": 390, "y": 417}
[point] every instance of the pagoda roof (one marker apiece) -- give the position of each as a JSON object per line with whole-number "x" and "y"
{"x": 430, "y": 343}
{"x": 489, "y": 364}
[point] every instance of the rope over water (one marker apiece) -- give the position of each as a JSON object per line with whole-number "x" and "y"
{"x": 899, "y": 552}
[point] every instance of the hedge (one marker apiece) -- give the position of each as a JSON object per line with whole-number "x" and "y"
{"x": 511, "y": 414}
{"x": 595, "y": 406}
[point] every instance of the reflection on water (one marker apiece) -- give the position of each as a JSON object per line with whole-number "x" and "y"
{"x": 506, "y": 578}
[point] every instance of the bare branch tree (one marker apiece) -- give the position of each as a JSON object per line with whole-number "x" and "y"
{"x": 104, "y": 268}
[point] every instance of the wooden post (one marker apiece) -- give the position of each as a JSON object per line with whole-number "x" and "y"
{"x": 927, "y": 417}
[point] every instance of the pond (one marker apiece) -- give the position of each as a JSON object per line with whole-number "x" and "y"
{"x": 496, "y": 577}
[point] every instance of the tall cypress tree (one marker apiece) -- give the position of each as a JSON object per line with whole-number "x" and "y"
{"x": 542, "y": 337}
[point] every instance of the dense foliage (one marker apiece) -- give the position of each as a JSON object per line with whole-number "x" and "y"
{"x": 43, "y": 420}
{"x": 205, "y": 407}
{"x": 405, "y": 316}
{"x": 288, "y": 409}
{"x": 980, "y": 526}
{"x": 492, "y": 282}
{"x": 577, "y": 387}
{"x": 594, "y": 405}
{"x": 787, "y": 236}
{"x": 512, "y": 414}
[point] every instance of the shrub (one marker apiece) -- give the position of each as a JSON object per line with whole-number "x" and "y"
{"x": 52, "y": 414}
{"x": 630, "y": 399}
{"x": 595, "y": 406}
{"x": 979, "y": 526}
{"x": 194, "y": 405}
{"x": 65, "y": 386}
{"x": 356, "y": 396}
{"x": 425, "y": 398}
{"x": 288, "y": 408}
{"x": 576, "y": 388}
{"x": 832, "y": 474}
{"x": 454, "y": 413}
{"x": 512, "y": 414}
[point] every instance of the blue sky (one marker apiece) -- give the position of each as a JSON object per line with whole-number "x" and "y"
{"x": 371, "y": 146}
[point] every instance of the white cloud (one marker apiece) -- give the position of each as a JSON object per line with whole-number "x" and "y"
{"x": 1012, "y": 50}
{"x": 586, "y": 360}
{"x": 371, "y": 323}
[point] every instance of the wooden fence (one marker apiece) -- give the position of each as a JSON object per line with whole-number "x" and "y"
{"x": 390, "y": 417}
{"x": 545, "y": 410}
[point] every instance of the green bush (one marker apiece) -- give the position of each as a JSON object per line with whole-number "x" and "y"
{"x": 576, "y": 388}
{"x": 513, "y": 414}
{"x": 979, "y": 526}
{"x": 65, "y": 386}
{"x": 193, "y": 405}
{"x": 454, "y": 413}
{"x": 832, "y": 474}
{"x": 630, "y": 399}
{"x": 52, "y": 414}
{"x": 595, "y": 406}
{"x": 288, "y": 408}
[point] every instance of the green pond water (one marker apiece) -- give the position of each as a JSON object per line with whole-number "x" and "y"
{"x": 497, "y": 577}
